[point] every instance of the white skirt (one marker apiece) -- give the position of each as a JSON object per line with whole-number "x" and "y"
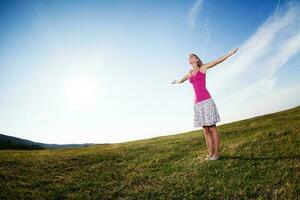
{"x": 206, "y": 113}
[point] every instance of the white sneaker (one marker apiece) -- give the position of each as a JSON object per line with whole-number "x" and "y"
{"x": 215, "y": 157}
{"x": 208, "y": 157}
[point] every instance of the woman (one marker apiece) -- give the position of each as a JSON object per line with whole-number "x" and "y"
{"x": 205, "y": 111}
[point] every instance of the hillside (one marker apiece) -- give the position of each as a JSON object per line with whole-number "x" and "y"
{"x": 260, "y": 160}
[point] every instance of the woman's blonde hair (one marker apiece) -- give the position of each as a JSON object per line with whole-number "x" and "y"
{"x": 199, "y": 63}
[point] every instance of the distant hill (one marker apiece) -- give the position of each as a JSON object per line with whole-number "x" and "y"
{"x": 10, "y": 142}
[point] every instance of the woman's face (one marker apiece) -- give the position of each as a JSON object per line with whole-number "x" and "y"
{"x": 192, "y": 59}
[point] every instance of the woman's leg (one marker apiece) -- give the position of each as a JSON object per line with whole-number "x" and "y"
{"x": 215, "y": 139}
{"x": 208, "y": 140}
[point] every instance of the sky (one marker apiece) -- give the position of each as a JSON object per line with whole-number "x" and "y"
{"x": 85, "y": 71}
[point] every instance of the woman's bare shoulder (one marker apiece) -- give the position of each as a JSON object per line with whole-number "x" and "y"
{"x": 203, "y": 68}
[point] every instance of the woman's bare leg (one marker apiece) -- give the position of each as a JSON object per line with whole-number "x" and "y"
{"x": 215, "y": 139}
{"x": 208, "y": 140}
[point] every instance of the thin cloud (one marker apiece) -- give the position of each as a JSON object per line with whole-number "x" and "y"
{"x": 277, "y": 7}
{"x": 49, "y": 31}
{"x": 248, "y": 78}
{"x": 194, "y": 12}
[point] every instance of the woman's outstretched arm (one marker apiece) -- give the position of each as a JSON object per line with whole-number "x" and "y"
{"x": 186, "y": 77}
{"x": 219, "y": 60}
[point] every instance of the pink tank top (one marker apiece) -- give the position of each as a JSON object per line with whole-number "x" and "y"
{"x": 199, "y": 85}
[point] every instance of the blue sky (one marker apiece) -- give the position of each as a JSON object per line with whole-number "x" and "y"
{"x": 101, "y": 71}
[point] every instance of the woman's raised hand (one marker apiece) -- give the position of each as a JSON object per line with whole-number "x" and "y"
{"x": 233, "y": 51}
{"x": 173, "y": 82}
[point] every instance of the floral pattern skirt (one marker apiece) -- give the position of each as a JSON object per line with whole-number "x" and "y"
{"x": 205, "y": 113}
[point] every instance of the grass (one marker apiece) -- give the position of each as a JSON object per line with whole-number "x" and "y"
{"x": 260, "y": 160}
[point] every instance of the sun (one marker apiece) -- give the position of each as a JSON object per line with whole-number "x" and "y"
{"x": 81, "y": 92}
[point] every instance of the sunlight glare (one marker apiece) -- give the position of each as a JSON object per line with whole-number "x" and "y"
{"x": 81, "y": 92}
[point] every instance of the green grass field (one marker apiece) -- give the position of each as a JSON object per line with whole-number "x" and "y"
{"x": 260, "y": 160}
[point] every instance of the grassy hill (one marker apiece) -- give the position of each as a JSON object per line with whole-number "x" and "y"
{"x": 260, "y": 160}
